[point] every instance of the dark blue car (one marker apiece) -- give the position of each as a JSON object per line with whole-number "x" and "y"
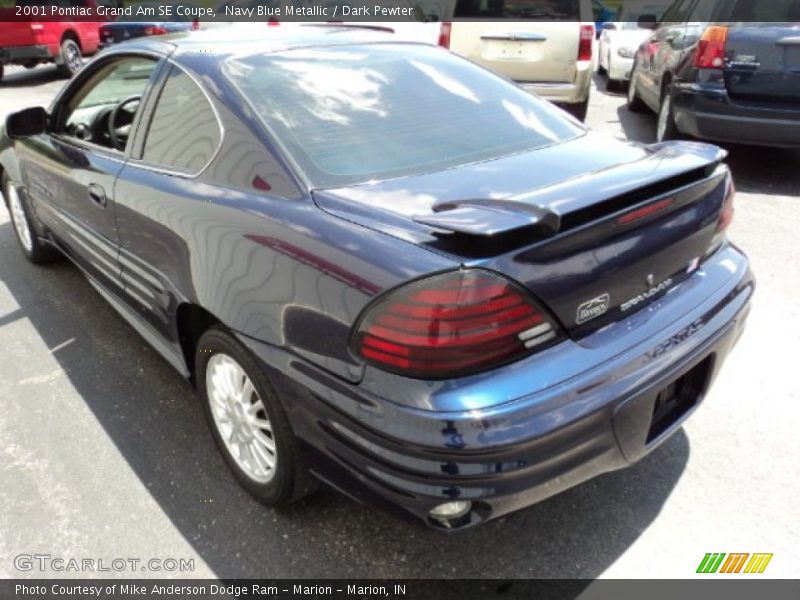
{"x": 385, "y": 268}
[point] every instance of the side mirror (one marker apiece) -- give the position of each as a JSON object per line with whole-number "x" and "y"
{"x": 610, "y": 26}
{"x": 26, "y": 123}
{"x": 647, "y": 21}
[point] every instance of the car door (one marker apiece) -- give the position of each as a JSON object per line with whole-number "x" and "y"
{"x": 663, "y": 51}
{"x": 70, "y": 172}
{"x": 160, "y": 198}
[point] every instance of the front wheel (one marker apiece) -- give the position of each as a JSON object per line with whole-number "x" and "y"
{"x": 248, "y": 422}
{"x": 666, "y": 129}
{"x": 635, "y": 103}
{"x": 33, "y": 249}
{"x": 70, "y": 58}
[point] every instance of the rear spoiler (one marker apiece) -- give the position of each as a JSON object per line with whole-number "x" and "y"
{"x": 546, "y": 211}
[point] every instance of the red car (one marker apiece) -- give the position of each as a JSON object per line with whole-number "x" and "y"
{"x": 29, "y": 35}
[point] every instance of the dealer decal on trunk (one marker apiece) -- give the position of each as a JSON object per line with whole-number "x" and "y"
{"x": 593, "y": 308}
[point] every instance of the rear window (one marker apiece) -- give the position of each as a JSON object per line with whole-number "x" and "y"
{"x": 541, "y": 10}
{"x": 759, "y": 11}
{"x": 356, "y": 113}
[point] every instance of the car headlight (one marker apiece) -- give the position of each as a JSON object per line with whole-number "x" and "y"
{"x": 626, "y": 52}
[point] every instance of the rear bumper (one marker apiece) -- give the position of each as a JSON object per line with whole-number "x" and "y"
{"x": 16, "y": 54}
{"x": 573, "y": 92}
{"x": 514, "y": 454}
{"x": 710, "y": 114}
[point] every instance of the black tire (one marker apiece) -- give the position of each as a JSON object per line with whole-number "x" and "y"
{"x": 635, "y": 103}
{"x": 601, "y": 70}
{"x": 291, "y": 479}
{"x": 70, "y": 58}
{"x": 666, "y": 128}
{"x": 579, "y": 110}
{"x": 36, "y": 251}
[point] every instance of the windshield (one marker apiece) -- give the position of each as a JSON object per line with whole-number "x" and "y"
{"x": 358, "y": 113}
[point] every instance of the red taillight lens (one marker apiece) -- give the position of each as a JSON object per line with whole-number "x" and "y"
{"x": 726, "y": 216}
{"x": 195, "y": 24}
{"x": 452, "y": 324}
{"x": 154, "y": 30}
{"x": 711, "y": 48}
{"x": 586, "y": 40}
{"x": 445, "y": 28}
{"x": 273, "y": 22}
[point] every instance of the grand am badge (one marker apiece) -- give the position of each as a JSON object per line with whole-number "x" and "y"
{"x": 593, "y": 308}
{"x": 653, "y": 291}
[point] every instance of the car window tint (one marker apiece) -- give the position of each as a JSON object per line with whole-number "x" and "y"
{"x": 703, "y": 10}
{"x": 184, "y": 131}
{"x": 758, "y": 11}
{"x": 87, "y": 111}
{"x": 678, "y": 12}
{"x": 353, "y": 114}
{"x": 567, "y": 10}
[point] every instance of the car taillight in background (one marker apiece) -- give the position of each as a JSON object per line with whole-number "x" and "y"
{"x": 154, "y": 30}
{"x": 711, "y": 48}
{"x": 586, "y": 41}
{"x": 445, "y": 28}
{"x": 452, "y": 324}
{"x": 195, "y": 24}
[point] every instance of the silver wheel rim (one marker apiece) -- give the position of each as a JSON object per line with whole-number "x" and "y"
{"x": 241, "y": 418}
{"x": 19, "y": 218}
{"x": 663, "y": 117}
{"x": 632, "y": 88}
{"x": 73, "y": 57}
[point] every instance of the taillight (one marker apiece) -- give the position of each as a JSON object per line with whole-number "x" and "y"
{"x": 726, "y": 216}
{"x": 195, "y": 24}
{"x": 273, "y": 22}
{"x": 711, "y": 48}
{"x": 586, "y": 41}
{"x": 154, "y": 30}
{"x": 452, "y": 324}
{"x": 445, "y": 27}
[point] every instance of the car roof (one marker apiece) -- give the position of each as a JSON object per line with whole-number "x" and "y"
{"x": 258, "y": 38}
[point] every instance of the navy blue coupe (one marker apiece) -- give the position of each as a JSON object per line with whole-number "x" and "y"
{"x": 383, "y": 267}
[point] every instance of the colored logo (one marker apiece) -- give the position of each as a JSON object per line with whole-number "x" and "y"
{"x": 734, "y": 563}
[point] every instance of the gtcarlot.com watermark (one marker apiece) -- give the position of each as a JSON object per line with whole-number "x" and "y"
{"x": 69, "y": 564}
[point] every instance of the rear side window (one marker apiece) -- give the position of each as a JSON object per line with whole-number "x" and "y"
{"x": 536, "y": 10}
{"x": 678, "y": 12}
{"x": 184, "y": 132}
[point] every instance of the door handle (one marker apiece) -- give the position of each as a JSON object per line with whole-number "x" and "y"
{"x": 97, "y": 195}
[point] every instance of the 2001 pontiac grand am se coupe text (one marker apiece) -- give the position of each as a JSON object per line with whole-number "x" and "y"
{"x": 384, "y": 267}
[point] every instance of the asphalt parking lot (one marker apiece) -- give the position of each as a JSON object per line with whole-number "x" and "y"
{"x": 104, "y": 452}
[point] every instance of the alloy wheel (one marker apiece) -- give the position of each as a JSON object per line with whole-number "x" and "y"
{"x": 19, "y": 218}
{"x": 241, "y": 418}
{"x": 663, "y": 117}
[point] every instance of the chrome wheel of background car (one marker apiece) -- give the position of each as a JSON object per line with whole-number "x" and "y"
{"x": 20, "y": 219}
{"x": 241, "y": 418}
{"x": 664, "y": 116}
{"x": 71, "y": 58}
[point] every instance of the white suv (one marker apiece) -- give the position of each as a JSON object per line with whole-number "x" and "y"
{"x": 549, "y": 52}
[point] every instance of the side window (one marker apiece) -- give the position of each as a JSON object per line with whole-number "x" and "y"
{"x": 702, "y": 11}
{"x": 101, "y": 111}
{"x": 678, "y": 12}
{"x": 184, "y": 131}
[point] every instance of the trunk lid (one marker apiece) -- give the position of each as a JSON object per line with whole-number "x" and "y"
{"x": 593, "y": 235}
{"x": 763, "y": 63}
